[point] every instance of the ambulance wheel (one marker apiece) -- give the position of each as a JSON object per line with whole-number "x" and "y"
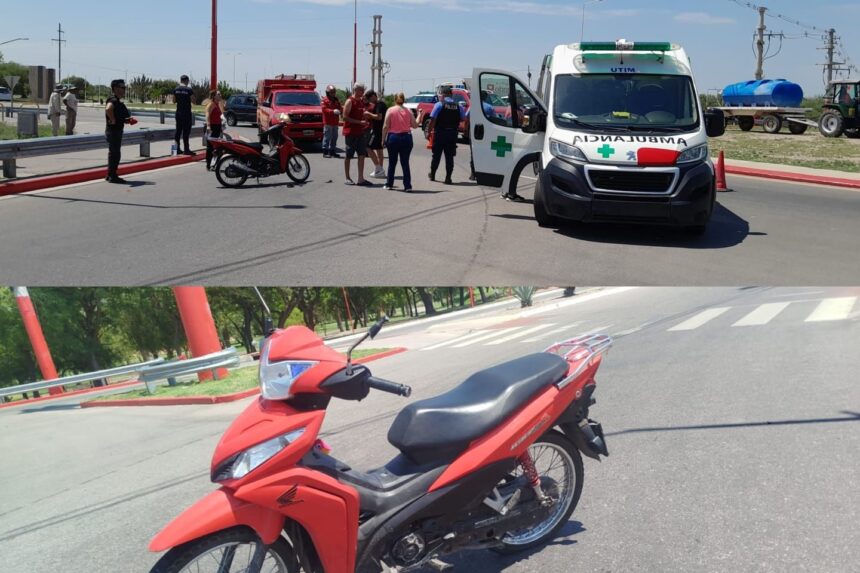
{"x": 542, "y": 216}
{"x": 771, "y": 123}
{"x": 746, "y": 123}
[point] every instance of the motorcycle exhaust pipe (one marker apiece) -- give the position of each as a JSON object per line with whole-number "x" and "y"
{"x": 245, "y": 169}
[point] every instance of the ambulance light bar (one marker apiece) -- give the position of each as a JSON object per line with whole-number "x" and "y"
{"x": 624, "y": 45}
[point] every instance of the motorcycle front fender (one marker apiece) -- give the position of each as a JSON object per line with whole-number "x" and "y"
{"x": 218, "y": 511}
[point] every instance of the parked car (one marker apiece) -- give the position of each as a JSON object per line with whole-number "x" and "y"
{"x": 5, "y": 94}
{"x": 241, "y": 107}
{"x": 422, "y": 100}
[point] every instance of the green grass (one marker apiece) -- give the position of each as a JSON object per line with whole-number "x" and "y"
{"x": 9, "y": 130}
{"x": 237, "y": 381}
{"x": 808, "y": 150}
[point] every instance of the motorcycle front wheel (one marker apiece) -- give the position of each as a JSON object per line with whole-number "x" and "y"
{"x": 559, "y": 466}
{"x": 228, "y": 551}
{"x": 227, "y": 172}
{"x": 298, "y": 168}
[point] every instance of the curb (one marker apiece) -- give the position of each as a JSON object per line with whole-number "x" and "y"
{"x": 794, "y": 177}
{"x": 47, "y": 181}
{"x": 189, "y": 400}
{"x": 67, "y": 394}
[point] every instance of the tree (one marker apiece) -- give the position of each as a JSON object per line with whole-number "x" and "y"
{"x": 139, "y": 87}
{"x": 427, "y": 299}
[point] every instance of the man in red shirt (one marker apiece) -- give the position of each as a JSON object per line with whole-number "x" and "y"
{"x": 354, "y": 125}
{"x": 332, "y": 111}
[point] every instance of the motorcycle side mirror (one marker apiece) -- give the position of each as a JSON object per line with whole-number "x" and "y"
{"x": 715, "y": 122}
{"x": 374, "y": 330}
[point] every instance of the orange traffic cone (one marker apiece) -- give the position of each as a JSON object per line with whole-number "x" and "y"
{"x": 720, "y": 168}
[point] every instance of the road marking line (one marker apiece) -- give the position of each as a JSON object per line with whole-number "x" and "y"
{"x": 516, "y": 335}
{"x": 455, "y": 340}
{"x": 700, "y": 319}
{"x": 553, "y": 331}
{"x": 832, "y": 309}
{"x": 487, "y": 336}
{"x": 762, "y": 314}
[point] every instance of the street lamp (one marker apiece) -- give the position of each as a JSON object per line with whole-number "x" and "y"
{"x": 234, "y": 54}
{"x": 582, "y": 32}
{"x": 13, "y": 40}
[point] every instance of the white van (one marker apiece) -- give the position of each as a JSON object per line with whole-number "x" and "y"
{"x": 616, "y": 129}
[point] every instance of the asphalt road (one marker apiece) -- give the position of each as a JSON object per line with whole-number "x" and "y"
{"x": 731, "y": 416}
{"x": 178, "y": 225}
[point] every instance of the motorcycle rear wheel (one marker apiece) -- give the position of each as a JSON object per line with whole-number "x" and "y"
{"x": 559, "y": 465}
{"x": 227, "y": 551}
{"x": 298, "y": 168}
{"x": 226, "y": 172}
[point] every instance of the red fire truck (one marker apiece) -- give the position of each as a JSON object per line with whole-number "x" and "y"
{"x": 293, "y": 99}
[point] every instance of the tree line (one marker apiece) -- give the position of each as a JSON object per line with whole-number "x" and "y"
{"x": 91, "y": 329}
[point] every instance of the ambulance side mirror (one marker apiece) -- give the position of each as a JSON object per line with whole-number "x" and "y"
{"x": 715, "y": 122}
{"x": 534, "y": 120}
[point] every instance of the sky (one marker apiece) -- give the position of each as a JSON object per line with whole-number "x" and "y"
{"x": 424, "y": 41}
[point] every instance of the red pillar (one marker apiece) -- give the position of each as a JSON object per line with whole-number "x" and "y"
{"x": 213, "y": 84}
{"x": 198, "y": 323}
{"x": 37, "y": 338}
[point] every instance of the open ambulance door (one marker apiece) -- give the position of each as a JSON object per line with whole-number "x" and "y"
{"x": 507, "y": 124}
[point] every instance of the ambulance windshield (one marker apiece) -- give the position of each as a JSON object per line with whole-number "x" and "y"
{"x": 635, "y": 102}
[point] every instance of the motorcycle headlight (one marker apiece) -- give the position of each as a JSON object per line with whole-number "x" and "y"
{"x": 698, "y": 153}
{"x": 245, "y": 462}
{"x": 276, "y": 378}
{"x": 565, "y": 151}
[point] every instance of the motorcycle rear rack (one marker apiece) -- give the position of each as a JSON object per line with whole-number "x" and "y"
{"x": 583, "y": 350}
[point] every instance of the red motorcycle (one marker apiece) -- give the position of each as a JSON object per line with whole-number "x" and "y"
{"x": 494, "y": 463}
{"x": 238, "y": 160}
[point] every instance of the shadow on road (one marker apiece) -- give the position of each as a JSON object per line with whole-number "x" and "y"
{"x": 48, "y": 408}
{"x": 487, "y": 561}
{"x": 129, "y": 204}
{"x": 726, "y": 229}
{"x": 851, "y": 417}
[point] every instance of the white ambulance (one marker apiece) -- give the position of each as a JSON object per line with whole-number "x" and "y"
{"x": 616, "y": 129}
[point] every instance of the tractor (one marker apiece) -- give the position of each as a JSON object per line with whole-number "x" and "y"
{"x": 841, "y": 112}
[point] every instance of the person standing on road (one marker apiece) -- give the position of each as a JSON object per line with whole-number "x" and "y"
{"x": 332, "y": 110}
{"x": 214, "y": 110}
{"x": 183, "y": 97}
{"x": 397, "y": 135}
{"x": 71, "y": 101}
{"x": 444, "y": 121}
{"x": 55, "y": 110}
{"x": 354, "y": 126}
{"x": 116, "y": 116}
{"x": 376, "y": 113}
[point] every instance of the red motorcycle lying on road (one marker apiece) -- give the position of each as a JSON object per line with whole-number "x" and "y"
{"x": 238, "y": 160}
{"x": 494, "y": 463}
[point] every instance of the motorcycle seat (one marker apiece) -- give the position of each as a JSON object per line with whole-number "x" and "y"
{"x": 257, "y": 146}
{"x": 438, "y": 429}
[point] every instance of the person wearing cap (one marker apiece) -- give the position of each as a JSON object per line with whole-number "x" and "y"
{"x": 183, "y": 97}
{"x": 71, "y": 101}
{"x": 55, "y": 110}
{"x": 116, "y": 116}
{"x": 332, "y": 110}
{"x": 444, "y": 121}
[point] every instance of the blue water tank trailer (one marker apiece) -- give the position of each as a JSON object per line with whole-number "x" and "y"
{"x": 763, "y": 93}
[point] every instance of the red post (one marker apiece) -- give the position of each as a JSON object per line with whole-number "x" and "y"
{"x": 471, "y": 296}
{"x": 37, "y": 338}
{"x": 198, "y": 323}
{"x": 354, "y": 47}
{"x": 213, "y": 84}
{"x": 346, "y": 302}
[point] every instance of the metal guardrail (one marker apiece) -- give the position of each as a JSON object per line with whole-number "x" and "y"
{"x": 77, "y": 378}
{"x": 171, "y": 370}
{"x": 13, "y": 149}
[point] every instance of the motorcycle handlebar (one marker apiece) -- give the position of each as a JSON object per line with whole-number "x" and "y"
{"x": 390, "y": 387}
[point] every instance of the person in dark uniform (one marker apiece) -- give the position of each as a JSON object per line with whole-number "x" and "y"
{"x": 116, "y": 116}
{"x": 183, "y": 97}
{"x": 444, "y": 120}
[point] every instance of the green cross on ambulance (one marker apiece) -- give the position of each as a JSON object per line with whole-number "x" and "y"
{"x": 616, "y": 128}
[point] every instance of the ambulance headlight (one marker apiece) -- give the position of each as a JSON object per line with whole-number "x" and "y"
{"x": 565, "y": 151}
{"x": 698, "y": 153}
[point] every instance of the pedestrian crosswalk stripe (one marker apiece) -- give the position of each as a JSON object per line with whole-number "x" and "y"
{"x": 762, "y": 314}
{"x": 553, "y": 331}
{"x": 700, "y": 319}
{"x": 487, "y": 336}
{"x": 832, "y": 309}
{"x": 516, "y": 335}
{"x": 455, "y": 340}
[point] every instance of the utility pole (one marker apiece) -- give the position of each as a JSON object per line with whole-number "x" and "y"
{"x": 830, "y": 66}
{"x": 59, "y": 40}
{"x": 376, "y": 59}
{"x": 354, "y": 44}
{"x": 759, "y": 44}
